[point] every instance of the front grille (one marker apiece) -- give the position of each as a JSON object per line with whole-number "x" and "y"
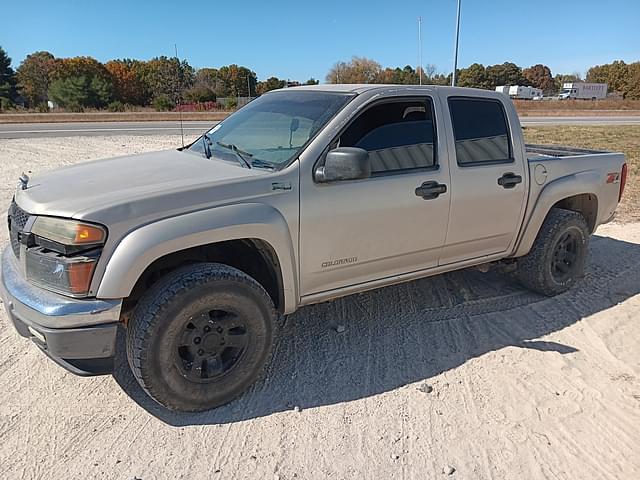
{"x": 17, "y": 220}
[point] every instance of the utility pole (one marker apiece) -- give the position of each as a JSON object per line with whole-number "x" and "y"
{"x": 455, "y": 55}
{"x": 420, "y": 47}
{"x": 248, "y": 88}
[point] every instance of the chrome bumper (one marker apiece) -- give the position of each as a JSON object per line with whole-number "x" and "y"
{"x": 78, "y": 334}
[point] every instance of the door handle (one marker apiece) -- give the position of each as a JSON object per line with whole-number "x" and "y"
{"x": 430, "y": 190}
{"x": 509, "y": 180}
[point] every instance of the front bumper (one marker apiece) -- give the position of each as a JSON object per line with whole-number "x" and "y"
{"x": 80, "y": 335}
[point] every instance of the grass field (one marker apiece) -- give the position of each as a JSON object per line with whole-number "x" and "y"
{"x": 619, "y": 138}
{"x": 578, "y": 107}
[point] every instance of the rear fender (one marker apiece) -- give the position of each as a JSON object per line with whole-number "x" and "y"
{"x": 587, "y": 182}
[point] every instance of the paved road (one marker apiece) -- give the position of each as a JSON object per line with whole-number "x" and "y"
{"x": 28, "y": 130}
{"x": 587, "y": 120}
{"x": 92, "y": 129}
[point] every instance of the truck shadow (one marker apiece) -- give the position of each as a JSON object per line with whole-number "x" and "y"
{"x": 410, "y": 332}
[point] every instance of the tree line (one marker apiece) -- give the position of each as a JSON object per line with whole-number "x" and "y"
{"x": 83, "y": 82}
{"x": 621, "y": 78}
{"x": 78, "y": 83}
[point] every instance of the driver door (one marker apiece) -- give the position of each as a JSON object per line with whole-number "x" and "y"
{"x": 358, "y": 231}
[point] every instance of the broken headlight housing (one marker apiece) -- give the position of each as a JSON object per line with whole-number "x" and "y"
{"x": 62, "y": 254}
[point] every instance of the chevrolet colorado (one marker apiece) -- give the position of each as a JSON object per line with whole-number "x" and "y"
{"x": 304, "y": 195}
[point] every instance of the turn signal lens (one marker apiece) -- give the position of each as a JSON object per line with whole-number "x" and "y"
{"x": 88, "y": 234}
{"x": 68, "y": 232}
{"x": 80, "y": 276}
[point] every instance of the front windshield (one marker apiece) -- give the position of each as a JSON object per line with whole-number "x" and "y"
{"x": 272, "y": 129}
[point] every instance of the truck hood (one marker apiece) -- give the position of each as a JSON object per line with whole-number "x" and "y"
{"x": 85, "y": 188}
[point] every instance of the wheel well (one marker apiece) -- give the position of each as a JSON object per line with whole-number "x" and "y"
{"x": 585, "y": 203}
{"x": 252, "y": 256}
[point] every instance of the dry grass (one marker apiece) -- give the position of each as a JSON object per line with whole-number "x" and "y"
{"x": 618, "y": 138}
{"x": 578, "y": 107}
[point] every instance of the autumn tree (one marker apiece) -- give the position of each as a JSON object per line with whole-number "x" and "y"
{"x": 34, "y": 76}
{"x": 127, "y": 84}
{"x": 475, "y": 76}
{"x": 614, "y": 74}
{"x": 271, "y": 83}
{"x": 506, "y": 73}
{"x": 168, "y": 77}
{"x": 237, "y": 81}
{"x": 209, "y": 78}
{"x": 632, "y": 88}
{"x": 7, "y": 80}
{"x": 357, "y": 70}
{"x": 539, "y": 76}
{"x": 80, "y": 82}
{"x": 399, "y": 76}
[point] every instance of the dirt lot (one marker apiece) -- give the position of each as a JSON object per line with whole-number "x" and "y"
{"x": 465, "y": 373}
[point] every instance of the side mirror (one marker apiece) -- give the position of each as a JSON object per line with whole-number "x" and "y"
{"x": 344, "y": 163}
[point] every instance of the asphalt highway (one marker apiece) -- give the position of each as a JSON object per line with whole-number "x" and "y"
{"x": 191, "y": 128}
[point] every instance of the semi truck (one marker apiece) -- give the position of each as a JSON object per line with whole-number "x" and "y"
{"x": 583, "y": 91}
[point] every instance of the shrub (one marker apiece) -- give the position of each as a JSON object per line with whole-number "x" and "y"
{"x": 200, "y": 95}
{"x": 198, "y": 107}
{"x": 42, "y": 107}
{"x": 74, "y": 107}
{"x": 116, "y": 106}
{"x": 231, "y": 103}
{"x": 5, "y": 104}
{"x": 162, "y": 103}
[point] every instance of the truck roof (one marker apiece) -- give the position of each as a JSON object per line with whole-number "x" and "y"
{"x": 365, "y": 87}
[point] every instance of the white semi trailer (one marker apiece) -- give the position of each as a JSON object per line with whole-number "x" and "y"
{"x": 583, "y": 91}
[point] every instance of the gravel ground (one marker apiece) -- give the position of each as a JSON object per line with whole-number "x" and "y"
{"x": 464, "y": 375}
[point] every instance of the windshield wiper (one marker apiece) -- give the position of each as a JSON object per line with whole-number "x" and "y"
{"x": 256, "y": 162}
{"x": 240, "y": 156}
{"x": 206, "y": 141}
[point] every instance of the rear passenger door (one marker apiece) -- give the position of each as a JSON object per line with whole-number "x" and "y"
{"x": 357, "y": 231}
{"x": 488, "y": 181}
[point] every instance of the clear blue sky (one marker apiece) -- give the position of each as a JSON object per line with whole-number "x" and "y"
{"x": 302, "y": 39}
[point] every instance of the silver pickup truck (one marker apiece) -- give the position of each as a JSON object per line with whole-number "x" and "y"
{"x": 304, "y": 195}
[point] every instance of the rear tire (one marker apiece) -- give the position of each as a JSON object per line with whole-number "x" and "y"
{"x": 200, "y": 336}
{"x": 558, "y": 256}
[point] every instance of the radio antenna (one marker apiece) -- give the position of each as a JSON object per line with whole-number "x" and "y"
{"x": 179, "y": 85}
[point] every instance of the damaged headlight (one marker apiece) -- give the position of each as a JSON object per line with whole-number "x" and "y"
{"x": 62, "y": 254}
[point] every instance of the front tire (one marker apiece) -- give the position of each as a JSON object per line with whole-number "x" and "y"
{"x": 201, "y": 336}
{"x": 558, "y": 256}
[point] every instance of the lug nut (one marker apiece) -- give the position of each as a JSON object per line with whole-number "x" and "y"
{"x": 219, "y": 329}
{"x": 200, "y": 352}
{"x": 207, "y": 328}
{"x": 196, "y": 340}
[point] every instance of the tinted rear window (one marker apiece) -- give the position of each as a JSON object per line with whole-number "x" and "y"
{"x": 480, "y": 131}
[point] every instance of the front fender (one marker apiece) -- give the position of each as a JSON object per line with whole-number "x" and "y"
{"x": 138, "y": 249}
{"x": 587, "y": 182}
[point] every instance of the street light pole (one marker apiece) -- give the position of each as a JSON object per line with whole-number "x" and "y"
{"x": 420, "y": 47}
{"x": 455, "y": 55}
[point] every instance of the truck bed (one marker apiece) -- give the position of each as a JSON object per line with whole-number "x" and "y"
{"x": 534, "y": 150}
